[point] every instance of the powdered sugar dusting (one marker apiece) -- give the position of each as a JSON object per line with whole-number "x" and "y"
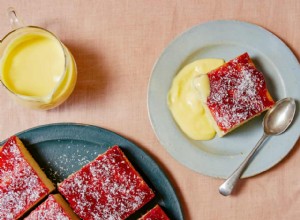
{"x": 49, "y": 210}
{"x": 107, "y": 188}
{"x": 64, "y": 164}
{"x": 20, "y": 186}
{"x": 238, "y": 93}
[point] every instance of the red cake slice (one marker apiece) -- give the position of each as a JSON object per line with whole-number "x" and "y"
{"x": 155, "y": 214}
{"x": 54, "y": 208}
{"x": 238, "y": 92}
{"x": 107, "y": 188}
{"x": 22, "y": 182}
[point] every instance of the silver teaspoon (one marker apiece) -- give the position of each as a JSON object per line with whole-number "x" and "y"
{"x": 276, "y": 121}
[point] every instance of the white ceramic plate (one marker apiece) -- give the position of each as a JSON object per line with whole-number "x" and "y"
{"x": 225, "y": 39}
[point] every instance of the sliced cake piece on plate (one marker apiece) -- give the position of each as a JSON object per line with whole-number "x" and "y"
{"x": 54, "y": 208}
{"x": 155, "y": 213}
{"x": 107, "y": 188}
{"x": 238, "y": 93}
{"x": 22, "y": 182}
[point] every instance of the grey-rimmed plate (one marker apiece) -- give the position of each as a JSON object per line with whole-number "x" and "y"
{"x": 225, "y": 39}
{"x": 61, "y": 149}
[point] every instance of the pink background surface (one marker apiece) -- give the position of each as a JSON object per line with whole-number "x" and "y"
{"x": 115, "y": 44}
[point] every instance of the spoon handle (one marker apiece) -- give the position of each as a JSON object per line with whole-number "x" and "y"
{"x": 226, "y": 188}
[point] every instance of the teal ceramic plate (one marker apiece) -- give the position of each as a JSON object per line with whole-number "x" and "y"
{"x": 225, "y": 39}
{"x": 61, "y": 149}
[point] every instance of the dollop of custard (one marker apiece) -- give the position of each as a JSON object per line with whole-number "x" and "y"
{"x": 189, "y": 86}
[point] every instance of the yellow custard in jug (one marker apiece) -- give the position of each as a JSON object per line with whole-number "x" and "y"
{"x": 184, "y": 99}
{"x": 35, "y": 68}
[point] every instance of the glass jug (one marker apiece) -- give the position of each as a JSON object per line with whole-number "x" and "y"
{"x": 36, "y": 69}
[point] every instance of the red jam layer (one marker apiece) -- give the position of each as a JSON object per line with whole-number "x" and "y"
{"x": 20, "y": 186}
{"x": 49, "y": 210}
{"x": 107, "y": 188}
{"x": 238, "y": 92}
{"x": 155, "y": 214}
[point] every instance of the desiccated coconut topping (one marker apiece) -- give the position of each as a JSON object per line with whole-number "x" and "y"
{"x": 108, "y": 188}
{"x": 49, "y": 210}
{"x": 20, "y": 186}
{"x": 238, "y": 92}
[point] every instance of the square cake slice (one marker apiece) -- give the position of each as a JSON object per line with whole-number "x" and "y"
{"x": 238, "y": 93}
{"x": 155, "y": 213}
{"x": 107, "y": 188}
{"x": 54, "y": 208}
{"x": 22, "y": 182}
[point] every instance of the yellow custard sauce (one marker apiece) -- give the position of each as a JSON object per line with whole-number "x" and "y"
{"x": 38, "y": 69}
{"x": 184, "y": 99}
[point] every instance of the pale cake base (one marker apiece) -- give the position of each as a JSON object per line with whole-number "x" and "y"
{"x": 221, "y": 133}
{"x": 35, "y": 166}
{"x": 59, "y": 199}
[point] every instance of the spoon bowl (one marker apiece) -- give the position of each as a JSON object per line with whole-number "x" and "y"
{"x": 278, "y": 118}
{"x": 275, "y": 122}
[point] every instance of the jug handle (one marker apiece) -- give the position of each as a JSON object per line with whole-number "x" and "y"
{"x": 15, "y": 22}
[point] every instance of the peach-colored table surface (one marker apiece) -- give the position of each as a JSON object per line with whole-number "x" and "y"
{"x": 115, "y": 44}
